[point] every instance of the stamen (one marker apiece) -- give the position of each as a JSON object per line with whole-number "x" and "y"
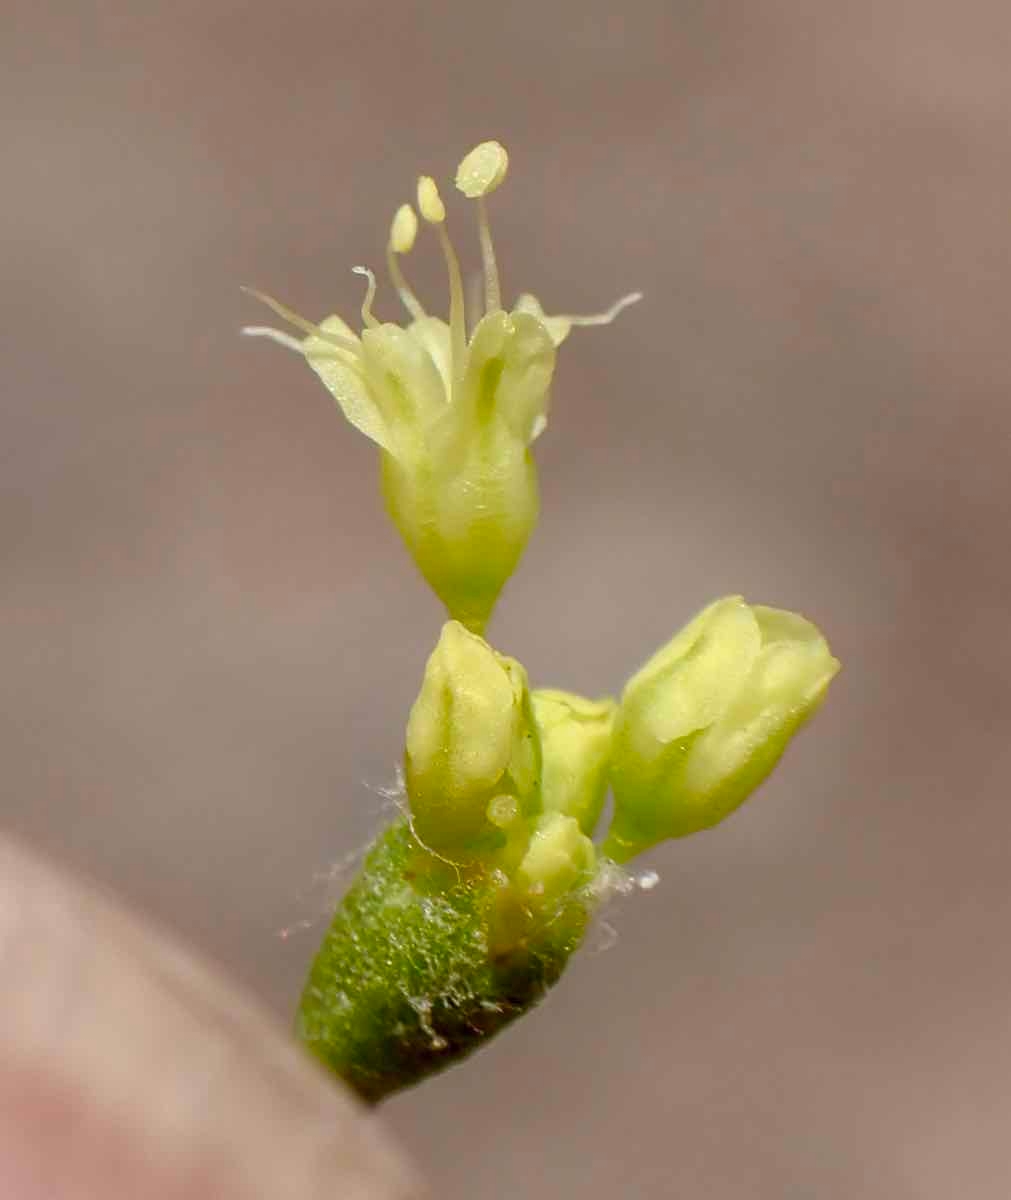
{"x": 273, "y": 335}
{"x": 457, "y": 329}
{"x": 403, "y": 231}
{"x": 368, "y": 318}
{"x": 434, "y": 212}
{"x": 492, "y": 289}
{"x": 307, "y": 327}
{"x": 474, "y": 300}
{"x": 604, "y": 318}
{"x": 478, "y": 175}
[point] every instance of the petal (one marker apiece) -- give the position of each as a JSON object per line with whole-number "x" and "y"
{"x": 509, "y": 367}
{"x": 404, "y": 383}
{"x": 342, "y": 377}
{"x": 433, "y": 334}
{"x": 780, "y": 625}
{"x": 784, "y": 688}
{"x": 558, "y": 328}
{"x": 688, "y": 684}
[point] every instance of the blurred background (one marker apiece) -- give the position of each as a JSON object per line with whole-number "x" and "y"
{"x": 210, "y": 635}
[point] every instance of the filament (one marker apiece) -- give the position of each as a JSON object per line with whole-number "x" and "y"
{"x": 457, "y": 328}
{"x": 404, "y": 291}
{"x": 492, "y": 289}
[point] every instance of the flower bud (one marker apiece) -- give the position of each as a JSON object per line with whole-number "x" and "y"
{"x": 559, "y": 859}
{"x": 471, "y": 745}
{"x": 703, "y": 723}
{"x": 575, "y": 738}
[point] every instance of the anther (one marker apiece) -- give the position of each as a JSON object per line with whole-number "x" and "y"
{"x": 482, "y": 170}
{"x": 430, "y": 203}
{"x": 403, "y": 231}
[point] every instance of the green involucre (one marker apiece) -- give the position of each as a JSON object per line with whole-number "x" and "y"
{"x": 424, "y": 961}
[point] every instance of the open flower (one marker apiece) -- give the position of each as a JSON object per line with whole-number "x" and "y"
{"x": 453, "y": 412}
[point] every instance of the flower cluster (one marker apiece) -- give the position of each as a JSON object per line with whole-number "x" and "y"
{"x": 497, "y": 772}
{"x": 493, "y": 770}
{"x": 469, "y": 905}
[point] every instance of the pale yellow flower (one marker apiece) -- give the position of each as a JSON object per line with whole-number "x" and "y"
{"x": 453, "y": 411}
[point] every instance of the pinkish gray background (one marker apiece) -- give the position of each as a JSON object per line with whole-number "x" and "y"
{"x": 210, "y": 635}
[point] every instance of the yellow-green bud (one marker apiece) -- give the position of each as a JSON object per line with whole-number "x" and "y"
{"x": 559, "y": 859}
{"x": 471, "y": 746}
{"x": 703, "y": 723}
{"x": 576, "y": 745}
